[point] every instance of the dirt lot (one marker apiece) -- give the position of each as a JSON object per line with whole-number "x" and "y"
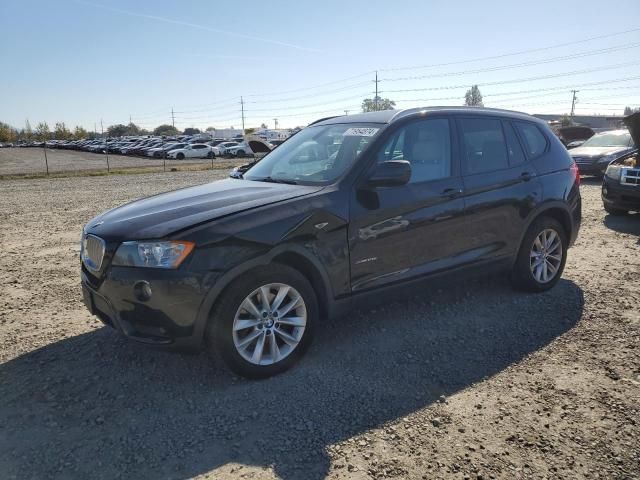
{"x": 466, "y": 381}
{"x": 21, "y": 161}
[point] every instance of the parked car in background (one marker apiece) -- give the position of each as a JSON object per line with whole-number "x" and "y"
{"x": 221, "y": 149}
{"x": 574, "y": 136}
{"x": 594, "y": 155}
{"x": 158, "y": 152}
{"x": 196, "y": 150}
{"x": 241, "y": 150}
{"x": 621, "y": 183}
{"x": 247, "y": 268}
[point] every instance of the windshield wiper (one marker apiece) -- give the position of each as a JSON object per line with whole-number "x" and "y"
{"x": 275, "y": 180}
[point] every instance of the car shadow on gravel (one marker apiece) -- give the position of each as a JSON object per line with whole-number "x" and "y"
{"x": 629, "y": 224}
{"x": 97, "y": 406}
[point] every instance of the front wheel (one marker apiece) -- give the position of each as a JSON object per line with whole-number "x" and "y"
{"x": 240, "y": 153}
{"x": 180, "y": 156}
{"x": 264, "y": 321}
{"x": 542, "y": 256}
{"x": 211, "y": 155}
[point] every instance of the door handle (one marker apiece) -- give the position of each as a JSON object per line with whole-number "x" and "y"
{"x": 451, "y": 192}
{"x": 526, "y": 176}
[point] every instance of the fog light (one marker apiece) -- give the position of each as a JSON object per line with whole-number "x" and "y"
{"x": 142, "y": 290}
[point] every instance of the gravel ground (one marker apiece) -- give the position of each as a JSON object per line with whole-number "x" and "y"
{"x": 471, "y": 380}
{"x": 20, "y": 161}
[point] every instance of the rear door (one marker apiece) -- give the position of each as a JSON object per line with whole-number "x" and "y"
{"x": 396, "y": 233}
{"x": 500, "y": 184}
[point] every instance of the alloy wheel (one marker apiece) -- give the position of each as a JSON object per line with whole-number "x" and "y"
{"x": 546, "y": 255}
{"x": 269, "y": 324}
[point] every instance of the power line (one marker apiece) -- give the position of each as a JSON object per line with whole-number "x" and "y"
{"x": 519, "y": 80}
{"x": 517, "y": 65}
{"x": 521, "y": 52}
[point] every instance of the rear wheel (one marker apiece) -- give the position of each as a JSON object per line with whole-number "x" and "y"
{"x": 615, "y": 211}
{"x": 211, "y": 155}
{"x": 264, "y": 321}
{"x": 542, "y": 256}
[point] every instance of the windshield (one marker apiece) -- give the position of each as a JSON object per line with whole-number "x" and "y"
{"x": 315, "y": 155}
{"x": 622, "y": 139}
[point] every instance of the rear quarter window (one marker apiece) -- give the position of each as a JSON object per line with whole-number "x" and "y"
{"x": 535, "y": 142}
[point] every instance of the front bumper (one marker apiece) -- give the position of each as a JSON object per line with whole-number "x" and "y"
{"x": 592, "y": 168}
{"x": 615, "y": 195}
{"x": 168, "y": 317}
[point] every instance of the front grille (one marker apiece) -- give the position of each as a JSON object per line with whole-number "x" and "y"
{"x": 92, "y": 252}
{"x": 630, "y": 176}
{"x": 583, "y": 160}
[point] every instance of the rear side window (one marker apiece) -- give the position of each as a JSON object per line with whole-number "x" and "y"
{"x": 516, "y": 155}
{"x": 535, "y": 142}
{"x": 485, "y": 149}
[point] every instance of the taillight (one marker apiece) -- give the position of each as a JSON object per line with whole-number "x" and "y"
{"x": 576, "y": 173}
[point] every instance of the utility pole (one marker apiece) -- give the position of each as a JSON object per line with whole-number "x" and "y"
{"x": 375, "y": 99}
{"x": 173, "y": 118}
{"x": 106, "y": 147}
{"x": 573, "y": 102}
{"x": 242, "y": 111}
{"x": 346, "y": 112}
{"x": 130, "y": 122}
{"x": 275, "y": 121}
{"x": 95, "y": 130}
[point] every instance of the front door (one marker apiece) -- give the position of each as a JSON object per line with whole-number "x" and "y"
{"x": 396, "y": 233}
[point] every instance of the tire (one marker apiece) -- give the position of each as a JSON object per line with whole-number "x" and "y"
{"x": 615, "y": 211}
{"x": 211, "y": 155}
{"x": 229, "y": 313}
{"x": 529, "y": 271}
{"x": 180, "y": 156}
{"x": 240, "y": 153}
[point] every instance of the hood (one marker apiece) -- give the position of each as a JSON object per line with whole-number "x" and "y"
{"x": 161, "y": 215}
{"x": 633, "y": 125}
{"x": 595, "y": 151}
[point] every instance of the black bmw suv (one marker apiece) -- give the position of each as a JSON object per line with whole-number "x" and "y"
{"x": 341, "y": 212}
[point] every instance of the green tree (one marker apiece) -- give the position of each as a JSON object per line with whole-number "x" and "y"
{"x": 133, "y": 129}
{"x": 249, "y": 131}
{"x": 79, "y": 133}
{"x": 565, "y": 121}
{"x": 191, "y": 131}
{"x": 166, "y": 130}
{"x": 42, "y": 132}
{"x": 118, "y": 130}
{"x": 630, "y": 110}
{"x": 8, "y": 134}
{"x": 28, "y": 131}
{"x": 473, "y": 97}
{"x": 61, "y": 132}
{"x": 377, "y": 103}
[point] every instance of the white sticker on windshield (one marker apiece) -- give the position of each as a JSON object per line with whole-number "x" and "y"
{"x": 361, "y": 132}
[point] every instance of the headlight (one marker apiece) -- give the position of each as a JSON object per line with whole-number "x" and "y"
{"x": 606, "y": 159}
{"x": 613, "y": 172}
{"x": 152, "y": 254}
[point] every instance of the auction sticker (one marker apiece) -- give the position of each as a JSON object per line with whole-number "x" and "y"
{"x": 361, "y": 132}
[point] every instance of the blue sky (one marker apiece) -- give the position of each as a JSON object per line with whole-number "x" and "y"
{"x": 80, "y": 61}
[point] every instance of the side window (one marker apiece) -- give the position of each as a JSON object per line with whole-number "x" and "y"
{"x": 516, "y": 155}
{"x": 484, "y": 145}
{"x": 426, "y": 144}
{"x": 535, "y": 142}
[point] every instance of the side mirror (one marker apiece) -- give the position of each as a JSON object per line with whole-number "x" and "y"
{"x": 391, "y": 173}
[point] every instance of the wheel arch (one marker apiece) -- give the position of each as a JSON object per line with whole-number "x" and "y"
{"x": 556, "y": 210}
{"x": 293, "y": 256}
